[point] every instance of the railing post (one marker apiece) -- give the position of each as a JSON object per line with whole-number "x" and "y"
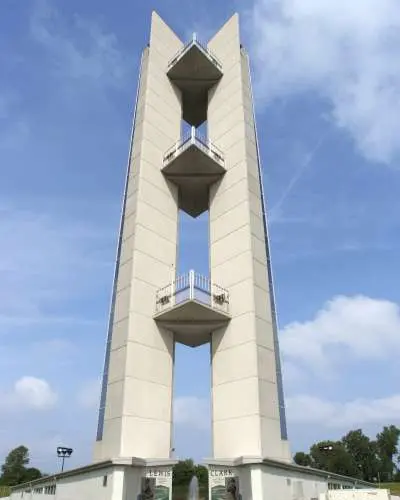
{"x": 191, "y": 284}
{"x": 194, "y": 38}
{"x": 173, "y": 284}
{"x": 193, "y": 134}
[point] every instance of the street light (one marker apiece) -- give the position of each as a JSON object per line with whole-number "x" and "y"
{"x": 63, "y": 453}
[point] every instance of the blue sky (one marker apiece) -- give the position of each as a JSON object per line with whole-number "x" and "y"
{"x": 327, "y": 84}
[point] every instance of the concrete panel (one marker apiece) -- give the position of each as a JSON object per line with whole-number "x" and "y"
{"x": 140, "y": 396}
{"x": 264, "y": 333}
{"x": 145, "y": 438}
{"x": 124, "y": 275}
{"x": 230, "y": 246}
{"x": 121, "y": 308}
{"x": 116, "y": 370}
{"x": 126, "y": 250}
{"x": 240, "y": 330}
{"x": 142, "y": 300}
{"x": 268, "y": 397}
{"x": 232, "y": 271}
{"x": 229, "y": 222}
{"x": 233, "y": 176}
{"x": 150, "y": 270}
{"x": 114, "y": 404}
{"x": 227, "y": 404}
{"x": 157, "y": 198}
{"x": 155, "y": 246}
{"x": 120, "y": 334}
{"x": 152, "y": 365}
{"x": 233, "y": 196}
{"x": 158, "y": 222}
{"x": 145, "y": 331}
{"x": 236, "y": 363}
{"x": 247, "y": 437}
{"x": 266, "y": 364}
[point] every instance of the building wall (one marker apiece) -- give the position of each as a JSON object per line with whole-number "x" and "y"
{"x": 84, "y": 486}
{"x": 263, "y": 482}
{"x": 138, "y": 408}
{"x": 245, "y": 403}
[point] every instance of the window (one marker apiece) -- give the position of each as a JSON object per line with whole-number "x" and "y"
{"x": 105, "y": 480}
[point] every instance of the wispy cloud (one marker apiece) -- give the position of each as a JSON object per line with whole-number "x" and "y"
{"x": 347, "y": 54}
{"x": 343, "y": 415}
{"x": 43, "y": 257}
{"x": 79, "y": 49}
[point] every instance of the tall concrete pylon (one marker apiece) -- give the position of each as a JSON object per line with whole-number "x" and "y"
{"x": 152, "y": 307}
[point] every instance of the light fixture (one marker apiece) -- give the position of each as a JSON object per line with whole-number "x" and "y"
{"x": 63, "y": 453}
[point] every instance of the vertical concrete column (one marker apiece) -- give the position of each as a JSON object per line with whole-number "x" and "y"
{"x": 245, "y": 405}
{"x": 139, "y": 372}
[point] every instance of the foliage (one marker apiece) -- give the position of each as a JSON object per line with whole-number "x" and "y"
{"x": 303, "y": 459}
{"x": 183, "y": 472}
{"x": 15, "y": 470}
{"x": 357, "y": 455}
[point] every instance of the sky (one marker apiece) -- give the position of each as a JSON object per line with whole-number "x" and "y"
{"x": 326, "y": 78}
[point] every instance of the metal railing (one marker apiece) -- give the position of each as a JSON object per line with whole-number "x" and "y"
{"x": 202, "y": 46}
{"x": 192, "y": 286}
{"x": 193, "y": 138}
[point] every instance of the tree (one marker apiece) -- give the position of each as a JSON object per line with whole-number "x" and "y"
{"x": 387, "y": 447}
{"x": 303, "y": 459}
{"x": 183, "y": 472}
{"x": 363, "y": 452}
{"x": 14, "y": 470}
{"x": 332, "y": 456}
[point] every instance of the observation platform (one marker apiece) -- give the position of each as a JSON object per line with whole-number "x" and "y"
{"x": 192, "y": 307}
{"x": 193, "y": 164}
{"x": 194, "y": 70}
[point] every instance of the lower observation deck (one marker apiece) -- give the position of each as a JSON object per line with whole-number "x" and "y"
{"x": 194, "y": 164}
{"x": 192, "y": 307}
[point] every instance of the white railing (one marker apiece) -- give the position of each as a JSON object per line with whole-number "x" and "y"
{"x": 192, "y": 286}
{"x": 202, "y": 46}
{"x": 193, "y": 138}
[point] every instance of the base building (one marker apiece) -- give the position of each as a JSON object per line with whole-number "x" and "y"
{"x": 193, "y": 148}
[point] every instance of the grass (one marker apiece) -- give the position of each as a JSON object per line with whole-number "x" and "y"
{"x": 393, "y": 487}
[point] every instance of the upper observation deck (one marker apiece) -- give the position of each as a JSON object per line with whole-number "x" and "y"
{"x": 193, "y": 164}
{"x": 194, "y": 70}
{"x": 192, "y": 307}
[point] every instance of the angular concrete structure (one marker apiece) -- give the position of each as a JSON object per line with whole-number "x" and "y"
{"x": 233, "y": 308}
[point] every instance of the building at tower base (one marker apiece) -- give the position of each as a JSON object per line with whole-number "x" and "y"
{"x": 126, "y": 479}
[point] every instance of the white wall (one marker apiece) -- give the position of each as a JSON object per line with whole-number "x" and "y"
{"x": 85, "y": 486}
{"x": 261, "y": 482}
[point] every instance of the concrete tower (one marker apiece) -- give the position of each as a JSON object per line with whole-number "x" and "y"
{"x": 233, "y": 308}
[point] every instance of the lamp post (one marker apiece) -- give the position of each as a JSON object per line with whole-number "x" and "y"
{"x": 63, "y": 453}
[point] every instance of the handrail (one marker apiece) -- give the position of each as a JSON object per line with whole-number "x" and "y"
{"x": 194, "y": 138}
{"x": 207, "y": 52}
{"x": 192, "y": 286}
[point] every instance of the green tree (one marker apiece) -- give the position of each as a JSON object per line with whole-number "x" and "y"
{"x": 387, "y": 447}
{"x": 332, "y": 456}
{"x": 183, "y": 472}
{"x": 14, "y": 470}
{"x": 301, "y": 458}
{"x": 363, "y": 452}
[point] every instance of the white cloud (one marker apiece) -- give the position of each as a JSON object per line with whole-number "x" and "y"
{"x": 81, "y": 49}
{"x": 29, "y": 393}
{"x": 192, "y": 412}
{"x": 368, "y": 328}
{"x": 347, "y": 52}
{"x": 306, "y": 409}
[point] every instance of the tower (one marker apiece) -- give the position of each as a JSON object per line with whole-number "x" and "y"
{"x": 232, "y": 308}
